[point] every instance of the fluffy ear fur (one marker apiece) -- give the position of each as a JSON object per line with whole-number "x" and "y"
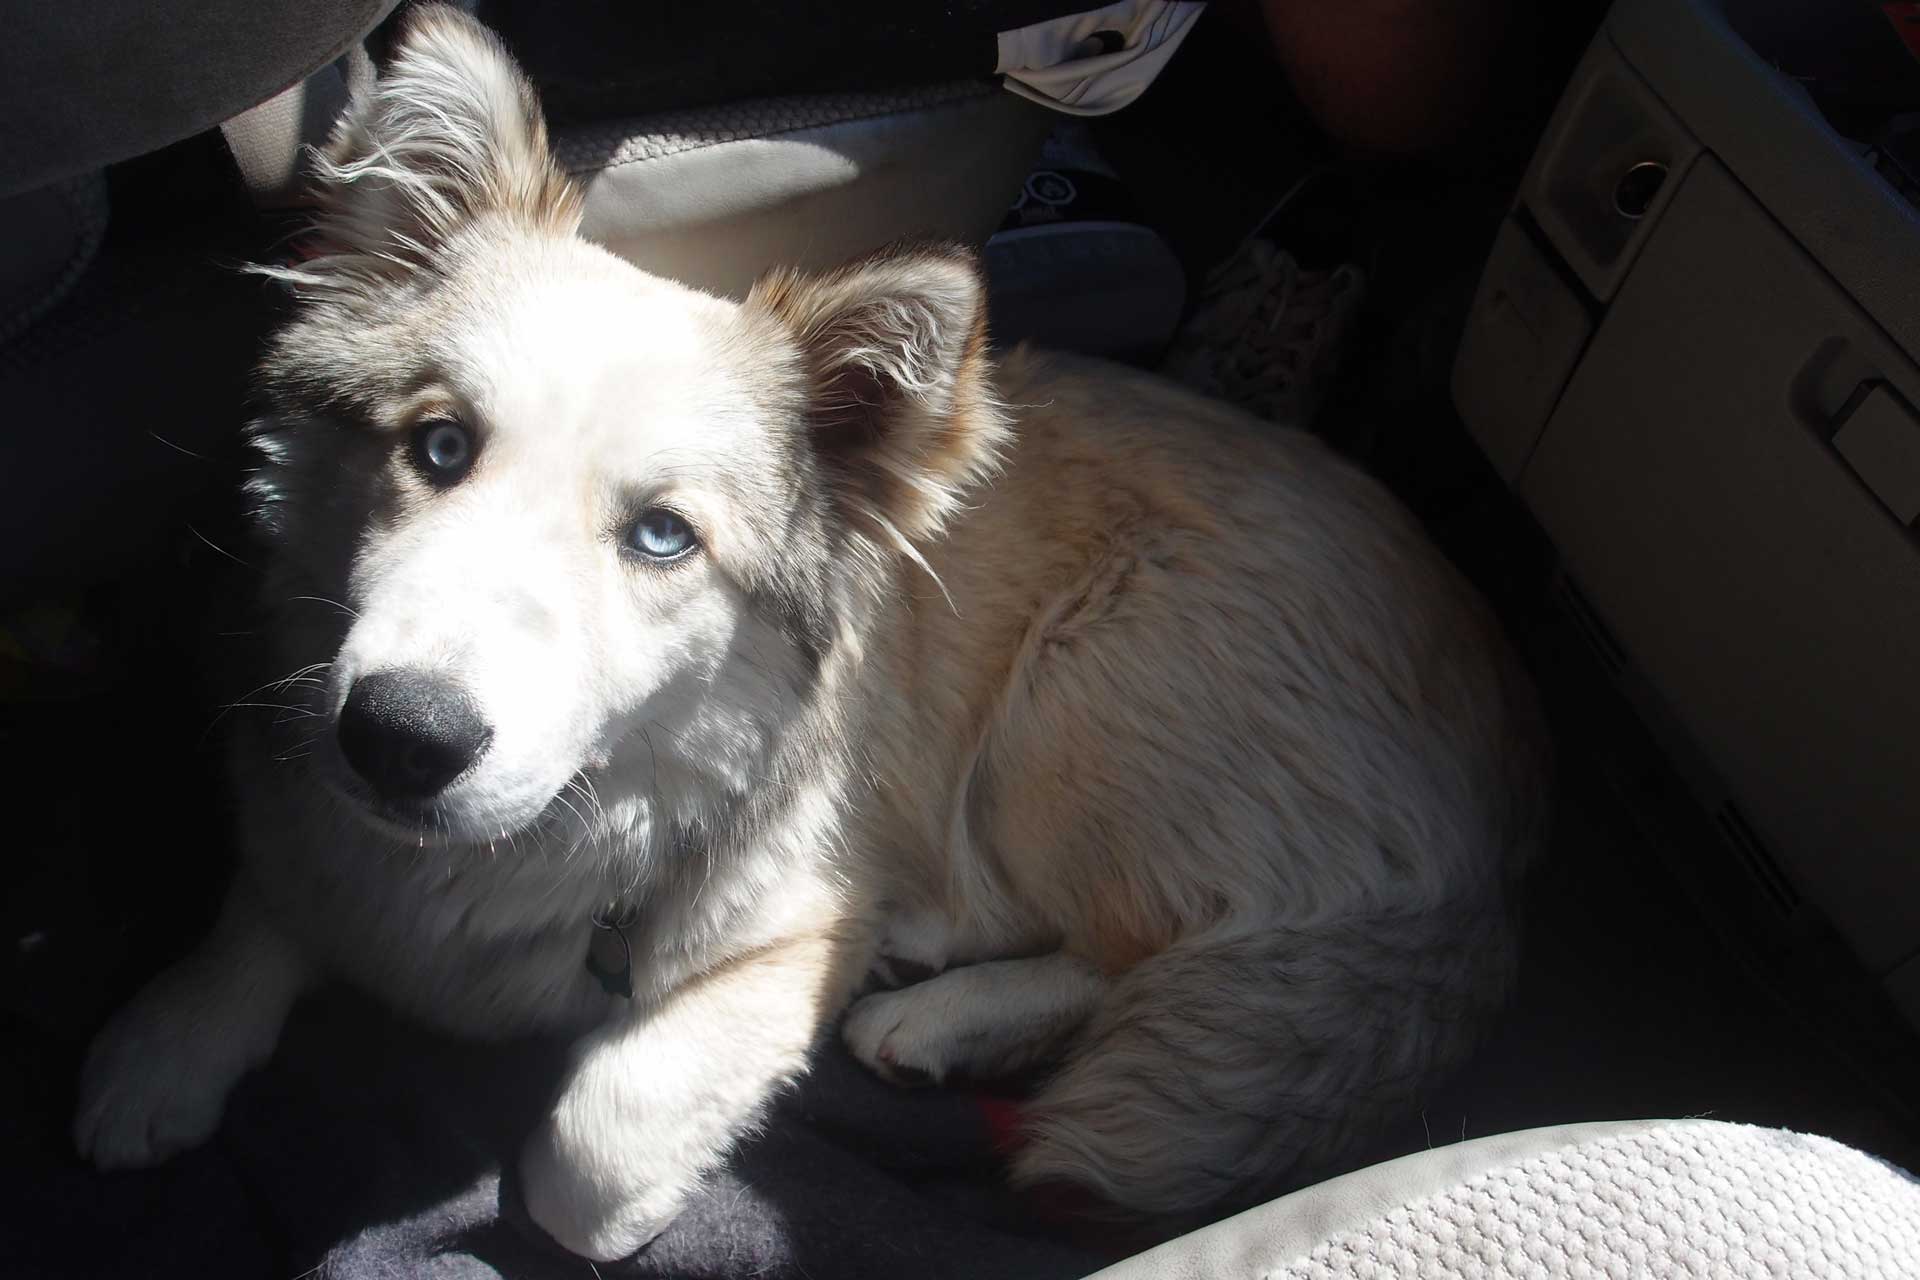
{"x": 451, "y": 130}
{"x": 901, "y": 412}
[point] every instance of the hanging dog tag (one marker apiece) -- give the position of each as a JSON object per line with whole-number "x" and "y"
{"x": 609, "y": 954}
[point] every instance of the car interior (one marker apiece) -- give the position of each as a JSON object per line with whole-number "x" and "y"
{"x": 1640, "y": 348}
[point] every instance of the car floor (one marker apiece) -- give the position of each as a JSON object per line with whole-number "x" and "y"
{"x": 1651, "y": 984}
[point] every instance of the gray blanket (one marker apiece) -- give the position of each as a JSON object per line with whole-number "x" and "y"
{"x": 368, "y": 1149}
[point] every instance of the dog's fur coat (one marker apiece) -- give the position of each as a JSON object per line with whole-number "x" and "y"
{"x": 1161, "y": 735}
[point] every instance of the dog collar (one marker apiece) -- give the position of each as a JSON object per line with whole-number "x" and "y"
{"x": 609, "y": 953}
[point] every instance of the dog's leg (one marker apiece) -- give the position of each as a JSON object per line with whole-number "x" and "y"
{"x": 656, "y": 1100}
{"x": 986, "y": 1019}
{"x": 157, "y": 1077}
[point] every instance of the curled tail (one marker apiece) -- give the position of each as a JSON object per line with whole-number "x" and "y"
{"x": 1214, "y": 1069}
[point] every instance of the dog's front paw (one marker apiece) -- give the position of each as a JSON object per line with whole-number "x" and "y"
{"x": 913, "y": 946}
{"x": 592, "y": 1197}
{"x": 899, "y": 1036}
{"x": 151, "y": 1087}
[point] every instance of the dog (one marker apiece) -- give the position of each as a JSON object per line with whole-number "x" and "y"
{"x": 656, "y": 667}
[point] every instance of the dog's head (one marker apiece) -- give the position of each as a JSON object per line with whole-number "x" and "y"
{"x": 571, "y": 514}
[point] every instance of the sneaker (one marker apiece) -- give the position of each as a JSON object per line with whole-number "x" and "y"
{"x": 1267, "y": 334}
{"x": 1075, "y": 266}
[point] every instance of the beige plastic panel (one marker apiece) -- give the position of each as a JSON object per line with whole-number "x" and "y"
{"x": 1773, "y": 601}
{"x": 1760, "y": 123}
{"x": 1522, "y": 337}
{"x": 1880, "y": 440}
{"x": 1608, "y": 123}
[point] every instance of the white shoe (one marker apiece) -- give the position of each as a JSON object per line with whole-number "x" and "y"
{"x": 1267, "y": 334}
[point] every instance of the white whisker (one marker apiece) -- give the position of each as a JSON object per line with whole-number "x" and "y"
{"x": 217, "y": 547}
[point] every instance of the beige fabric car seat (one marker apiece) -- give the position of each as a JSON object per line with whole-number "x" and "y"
{"x": 1652, "y": 1198}
{"x": 715, "y": 196}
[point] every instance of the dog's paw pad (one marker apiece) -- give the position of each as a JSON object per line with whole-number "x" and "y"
{"x": 594, "y": 1217}
{"x": 135, "y": 1120}
{"x": 151, "y": 1087}
{"x": 883, "y": 1031}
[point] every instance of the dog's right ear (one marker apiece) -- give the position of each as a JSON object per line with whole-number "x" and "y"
{"x": 900, "y": 410}
{"x": 449, "y": 132}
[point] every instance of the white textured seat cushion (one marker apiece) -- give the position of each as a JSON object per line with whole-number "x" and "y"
{"x": 1693, "y": 1199}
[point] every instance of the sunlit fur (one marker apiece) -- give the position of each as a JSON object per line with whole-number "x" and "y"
{"x": 1163, "y": 734}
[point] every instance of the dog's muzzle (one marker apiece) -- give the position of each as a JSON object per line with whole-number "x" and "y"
{"x": 410, "y": 733}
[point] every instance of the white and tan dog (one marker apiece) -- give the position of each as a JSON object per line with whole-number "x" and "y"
{"x": 718, "y": 652}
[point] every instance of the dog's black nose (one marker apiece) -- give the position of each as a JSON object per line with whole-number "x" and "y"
{"x": 410, "y": 733}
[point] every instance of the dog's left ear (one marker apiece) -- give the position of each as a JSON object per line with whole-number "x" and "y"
{"x": 901, "y": 413}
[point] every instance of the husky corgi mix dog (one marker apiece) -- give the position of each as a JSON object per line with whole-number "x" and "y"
{"x": 660, "y": 665}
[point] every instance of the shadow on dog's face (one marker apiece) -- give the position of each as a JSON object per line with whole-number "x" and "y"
{"x": 587, "y": 530}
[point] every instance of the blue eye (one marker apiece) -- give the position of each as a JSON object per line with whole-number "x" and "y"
{"x": 443, "y": 450}
{"x": 660, "y": 535}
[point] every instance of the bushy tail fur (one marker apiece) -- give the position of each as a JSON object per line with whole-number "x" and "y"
{"x": 1233, "y": 1059}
